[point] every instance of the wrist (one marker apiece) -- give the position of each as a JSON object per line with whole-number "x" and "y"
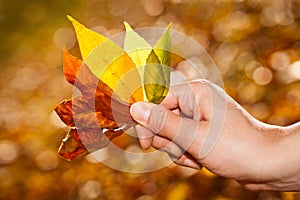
{"x": 288, "y": 150}
{"x": 283, "y": 157}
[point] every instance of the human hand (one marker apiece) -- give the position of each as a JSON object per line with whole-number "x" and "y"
{"x": 198, "y": 124}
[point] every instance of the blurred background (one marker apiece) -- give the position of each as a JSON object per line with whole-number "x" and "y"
{"x": 255, "y": 43}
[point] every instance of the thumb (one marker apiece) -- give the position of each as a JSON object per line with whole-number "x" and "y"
{"x": 165, "y": 123}
{"x": 149, "y": 115}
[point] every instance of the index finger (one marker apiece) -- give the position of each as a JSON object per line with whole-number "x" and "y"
{"x": 180, "y": 96}
{"x": 171, "y": 100}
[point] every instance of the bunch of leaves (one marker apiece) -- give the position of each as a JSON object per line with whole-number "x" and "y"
{"x": 110, "y": 79}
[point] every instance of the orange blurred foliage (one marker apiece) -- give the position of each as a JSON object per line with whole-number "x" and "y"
{"x": 255, "y": 44}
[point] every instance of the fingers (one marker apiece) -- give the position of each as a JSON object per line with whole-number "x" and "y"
{"x": 188, "y": 161}
{"x": 258, "y": 187}
{"x": 165, "y": 123}
{"x": 182, "y": 97}
{"x": 171, "y": 100}
{"x": 167, "y": 146}
{"x": 177, "y": 154}
{"x": 192, "y": 98}
{"x": 145, "y": 136}
{"x": 174, "y": 133}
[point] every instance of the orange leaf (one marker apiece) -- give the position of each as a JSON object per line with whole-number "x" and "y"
{"x": 82, "y": 141}
{"x": 95, "y": 117}
{"x": 71, "y": 146}
{"x": 94, "y": 91}
{"x": 79, "y": 75}
{"x": 77, "y": 113}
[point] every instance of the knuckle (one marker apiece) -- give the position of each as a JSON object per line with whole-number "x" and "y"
{"x": 201, "y": 83}
{"x": 158, "y": 118}
{"x": 201, "y": 87}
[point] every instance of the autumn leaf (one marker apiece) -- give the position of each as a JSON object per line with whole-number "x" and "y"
{"x": 109, "y": 62}
{"x": 79, "y": 75}
{"x": 153, "y": 65}
{"x": 137, "y": 48}
{"x": 88, "y": 40}
{"x": 110, "y": 79}
{"x": 156, "y": 84}
{"x": 157, "y": 71}
{"x": 119, "y": 73}
{"x": 94, "y": 111}
{"x": 163, "y": 47}
{"x": 84, "y": 141}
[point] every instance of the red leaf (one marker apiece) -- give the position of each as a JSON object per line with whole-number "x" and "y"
{"x": 96, "y": 117}
{"x": 82, "y": 141}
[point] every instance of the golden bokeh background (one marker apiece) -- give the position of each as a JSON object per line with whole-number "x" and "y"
{"x": 255, "y": 43}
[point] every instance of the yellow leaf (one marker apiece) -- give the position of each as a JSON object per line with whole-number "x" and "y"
{"x": 136, "y": 47}
{"x": 110, "y": 63}
{"x": 138, "y": 50}
{"x": 123, "y": 77}
{"x": 115, "y": 68}
{"x": 87, "y": 39}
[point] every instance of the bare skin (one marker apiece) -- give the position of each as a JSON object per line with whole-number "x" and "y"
{"x": 199, "y": 125}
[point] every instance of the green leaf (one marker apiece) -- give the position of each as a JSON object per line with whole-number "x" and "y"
{"x": 163, "y": 46}
{"x": 156, "y": 79}
{"x": 156, "y": 76}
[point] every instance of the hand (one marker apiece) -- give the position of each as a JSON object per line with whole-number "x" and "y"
{"x": 198, "y": 124}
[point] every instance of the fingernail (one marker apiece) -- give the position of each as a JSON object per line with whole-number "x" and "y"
{"x": 140, "y": 111}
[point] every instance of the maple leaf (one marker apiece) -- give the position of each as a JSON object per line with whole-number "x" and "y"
{"x": 90, "y": 113}
{"x": 109, "y": 63}
{"x": 81, "y": 142}
{"x": 101, "y": 112}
